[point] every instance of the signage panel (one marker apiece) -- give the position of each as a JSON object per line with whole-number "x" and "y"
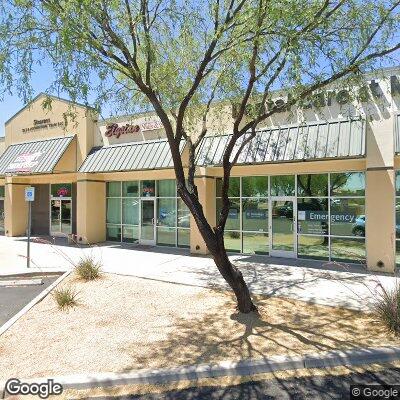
{"x": 24, "y": 162}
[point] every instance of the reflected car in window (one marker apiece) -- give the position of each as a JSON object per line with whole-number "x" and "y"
{"x": 359, "y": 227}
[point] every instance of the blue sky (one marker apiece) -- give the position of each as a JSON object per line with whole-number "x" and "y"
{"x": 41, "y": 81}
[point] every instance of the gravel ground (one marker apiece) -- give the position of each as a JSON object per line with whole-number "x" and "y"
{"x": 125, "y": 323}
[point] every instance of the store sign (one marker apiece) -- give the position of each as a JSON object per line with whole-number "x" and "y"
{"x": 42, "y": 124}
{"x": 326, "y": 98}
{"x": 256, "y": 214}
{"x": 25, "y": 162}
{"x": 233, "y": 213}
{"x": 62, "y": 192}
{"x": 322, "y": 216}
{"x": 151, "y": 125}
{"x": 118, "y": 131}
{"x": 148, "y": 192}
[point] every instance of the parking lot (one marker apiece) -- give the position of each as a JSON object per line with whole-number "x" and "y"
{"x": 15, "y": 298}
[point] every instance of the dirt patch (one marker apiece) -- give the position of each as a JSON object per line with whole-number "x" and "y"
{"x": 125, "y": 323}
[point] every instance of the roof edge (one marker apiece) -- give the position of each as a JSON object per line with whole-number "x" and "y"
{"x": 80, "y": 105}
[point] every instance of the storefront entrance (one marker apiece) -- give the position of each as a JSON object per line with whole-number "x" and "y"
{"x": 147, "y": 231}
{"x": 283, "y": 223}
{"x": 61, "y": 213}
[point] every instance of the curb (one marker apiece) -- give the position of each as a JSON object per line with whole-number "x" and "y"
{"x": 36, "y": 300}
{"x": 21, "y": 282}
{"x": 227, "y": 368}
{"x": 31, "y": 274}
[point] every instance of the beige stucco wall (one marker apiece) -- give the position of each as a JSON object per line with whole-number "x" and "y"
{"x": 91, "y": 210}
{"x": 80, "y": 121}
{"x": 16, "y": 209}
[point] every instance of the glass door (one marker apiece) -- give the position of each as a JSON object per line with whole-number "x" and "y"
{"x": 147, "y": 226}
{"x": 283, "y": 227}
{"x": 60, "y": 218}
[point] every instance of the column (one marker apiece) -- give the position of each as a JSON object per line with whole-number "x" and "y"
{"x": 91, "y": 210}
{"x": 15, "y": 208}
{"x": 380, "y": 196}
{"x": 206, "y": 189}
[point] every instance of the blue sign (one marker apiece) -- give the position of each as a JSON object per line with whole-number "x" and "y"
{"x": 29, "y": 194}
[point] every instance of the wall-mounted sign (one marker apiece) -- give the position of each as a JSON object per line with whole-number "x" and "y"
{"x": 42, "y": 124}
{"x": 24, "y": 162}
{"x": 364, "y": 94}
{"x": 63, "y": 192}
{"x": 117, "y": 130}
{"x": 151, "y": 125}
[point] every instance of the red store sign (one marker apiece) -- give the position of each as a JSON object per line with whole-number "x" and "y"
{"x": 117, "y": 131}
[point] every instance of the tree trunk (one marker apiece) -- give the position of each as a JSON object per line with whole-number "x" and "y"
{"x": 235, "y": 280}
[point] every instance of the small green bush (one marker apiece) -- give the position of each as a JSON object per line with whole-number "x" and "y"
{"x": 387, "y": 308}
{"x": 65, "y": 297}
{"x": 88, "y": 269}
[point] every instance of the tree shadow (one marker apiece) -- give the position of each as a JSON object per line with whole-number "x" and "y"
{"x": 282, "y": 327}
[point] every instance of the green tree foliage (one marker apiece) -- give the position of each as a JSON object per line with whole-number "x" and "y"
{"x": 179, "y": 56}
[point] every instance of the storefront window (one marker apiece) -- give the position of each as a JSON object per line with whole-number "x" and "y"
{"x": 255, "y": 243}
{"x": 312, "y": 185}
{"x": 348, "y": 217}
{"x": 233, "y": 241}
{"x": 147, "y": 188}
{"x": 315, "y": 247}
{"x": 113, "y": 189}
{"x": 61, "y": 190}
{"x": 347, "y": 249}
{"x": 255, "y": 186}
{"x": 183, "y": 237}
{"x": 130, "y": 211}
{"x": 233, "y": 221}
{"x": 166, "y": 212}
{"x": 166, "y": 236}
{"x": 234, "y": 187}
{"x": 113, "y": 211}
{"x": 348, "y": 184}
{"x": 113, "y": 233}
{"x": 183, "y": 215}
{"x": 166, "y": 188}
{"x": 130, "y": 189}
{"x": 282, "y": 185}
{"x": 2, "y": 192}
{"x": 130, "y": 234}
{"x": 255, "y": 215}
{"x": 312, "y": 216}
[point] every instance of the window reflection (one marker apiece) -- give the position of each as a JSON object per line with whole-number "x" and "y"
{"x": 255, "y": 186}
{"x": 312, "y": 185}
{"x": 348, "y": 184}
{"x": 348, "y": 217}
{"x": 282, "y": 185}
{"x": 312, "y": 216}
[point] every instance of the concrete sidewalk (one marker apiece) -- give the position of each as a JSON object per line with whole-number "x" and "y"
{"x": 298, "y": 279}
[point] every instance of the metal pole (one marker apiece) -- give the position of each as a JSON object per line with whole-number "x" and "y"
{"x": 28, "y": 258}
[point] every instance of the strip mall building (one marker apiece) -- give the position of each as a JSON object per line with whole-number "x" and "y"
{"x": 318, "y": 183}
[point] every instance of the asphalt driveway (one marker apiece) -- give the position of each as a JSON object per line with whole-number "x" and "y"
{"x": 14, "y": 299}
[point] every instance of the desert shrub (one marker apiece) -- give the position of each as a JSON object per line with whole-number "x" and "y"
{"x": 387, "y": 308}
{"x": 65, "y": 297}
{"x": 88, "y": 269}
